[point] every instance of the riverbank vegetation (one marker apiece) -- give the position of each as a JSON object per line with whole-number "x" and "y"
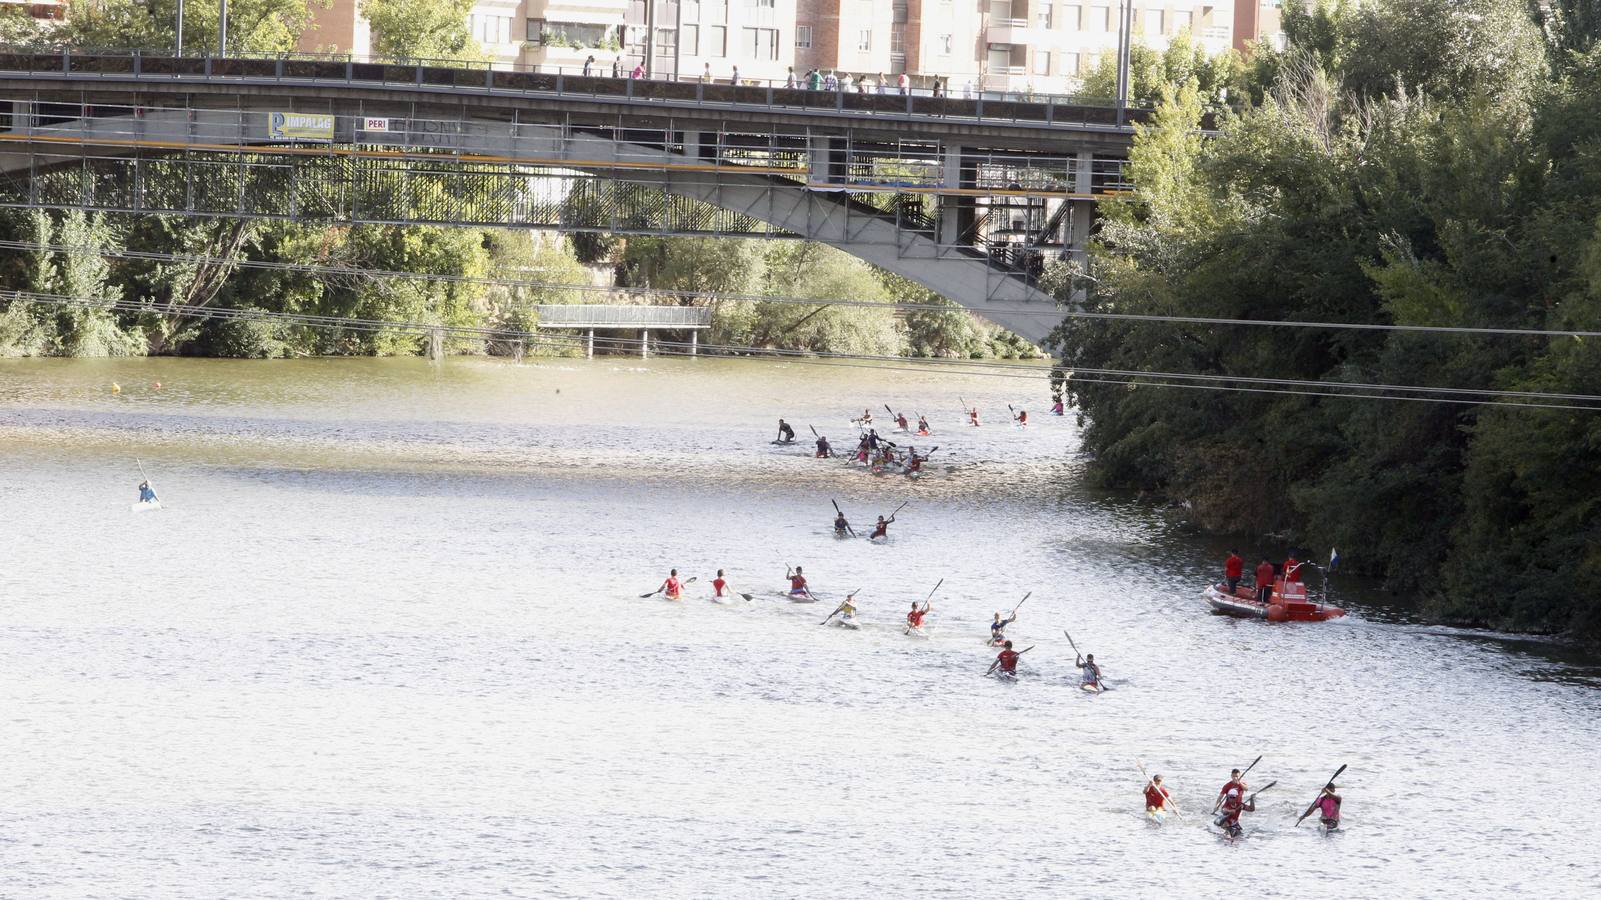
{"x": 1416, "y": 162}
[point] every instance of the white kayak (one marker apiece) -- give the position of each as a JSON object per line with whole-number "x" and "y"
{"x": 143, "y": 506}
{"x": 916, "y": 631}
{"x": 848, "y": 622}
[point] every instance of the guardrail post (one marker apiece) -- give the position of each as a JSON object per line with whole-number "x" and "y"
{"x": 839, "y": 101}
{"x": 66, "y": 62}
{"x": 138, "y": 63}
{"x": 769, "y": 95}
{"x": 1050, "y": 111}
{"x": 489, "y": 79}
{"x": 979, "y": 107}
{"x": 700, "y": 92}
{"x": 208, "y": 67}
{"x": 278, "y": 69}
{"x": 630, "y": 92}
{"x": 416, "y": 76}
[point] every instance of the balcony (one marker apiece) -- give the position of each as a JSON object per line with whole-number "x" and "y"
{"x": 1007, "y": 31}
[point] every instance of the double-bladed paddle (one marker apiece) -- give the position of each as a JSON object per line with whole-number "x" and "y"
{"x": 1319, "y": 796}
{"x": 842, "y": 515}
{"x": 1167, "y": 798}
{"x": 840, "y": 606}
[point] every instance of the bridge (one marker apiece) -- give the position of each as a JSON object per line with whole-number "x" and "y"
{"x": 968, "y": 197}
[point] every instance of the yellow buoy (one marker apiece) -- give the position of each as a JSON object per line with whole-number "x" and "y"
{"x": 116, "y": 388}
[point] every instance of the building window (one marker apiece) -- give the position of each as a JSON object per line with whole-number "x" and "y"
{"x": 1154, "y": 20}
{"x": 803, "y": 36}
{"x": 897, "y": 41}
{"x": 1182, "y": 19}
{"x": 691, "y": 10}
{"x": 1072, "y": 17}
{"x": 1100, "y": 19}
{"x": 942, "y": 45}
{"x": 1069, "y": 63}
{"x": 761, "y": 4}
{"x": 1042, "y": 62}
{"x": 1045, "y": 16}
{"x": 666, "y": 41}
{"x": 490, "y": 29}
{"x": 761, "y": 43}
{"x": 864, "y": 39}
{"x": 569, "y": 34}
{"x": 898, "y": 14}
{"x": 716, "y": 11}
{"x": 536, "y": 31}
{"x": 691, "y": 43}
{"x": 717, "y": 41}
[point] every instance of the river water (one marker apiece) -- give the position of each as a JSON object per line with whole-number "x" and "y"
{"x": 386, "y": 639}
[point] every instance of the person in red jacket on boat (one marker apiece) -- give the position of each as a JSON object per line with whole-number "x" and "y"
{"x": 914, "y": 619}
{"x": 1234, "y": 803}
{"x": 1236, "y": 783}
{"x": 1233, "y": 570}
{"x": 1007, "y": 660}
{"x": 1156, "y": 796}
{"x": 1264, "y": 582}
{"x": 1292, "y": 568}
{"x": 797, "y": 584}
{"x": 972, "y": 416}
{"x": 672, "y": 587}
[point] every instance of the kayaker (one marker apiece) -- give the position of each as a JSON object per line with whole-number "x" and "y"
{"x": 847, "y": 608}
{"x": 914, "y": 463}
{"x": 1091, "y": 672}
{"x": 841, "y": 527}
{"x": 797, "y": 584}
{"x": 824, "y": 451}
{"x": 922, "y": 425}
{"x": 972, "y": 417}
{"x": 719, "y": 584}
{"x": 1328, "y": 807}
{"x": 867, "y": 417}
{"x": 1235, "y": 783}
{"x": 1021, "y": 418}
{"x": 786, "y": 434}
{"x": 1292, "y": 568}
{"x": 1264, "y": 581}
{"x": 1156, "y": 796}
{"x": 1007, "y": 660}
{"x": 1234, "y": 803}
{"x": 998, "y": 627}
{"x": 146, "y": 493}
{"x": 671, "y": 587}
{"x": 872, "y": 439}
{"x": 914, "y": 619}
{"x": 881, "y": 530}
{"x": 900, "y": 421}
{"x": 1233, "y": 570}
{"x": 1056, "y": 408}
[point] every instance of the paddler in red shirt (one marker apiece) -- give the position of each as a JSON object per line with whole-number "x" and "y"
{"x": 972, "y": 416}
{"x": 1233, "y": 570}
{"x": 914, "y": 619}
{"x": 797, "y": 584}
{"x": 1022, "y": 418}
{"x": 1235, "y": 784}
{"x": 881, "y": 530}
{"x": 1264, "y": 582}
{"x": 719, "y": 585}
{"x": 900, "y": 420}
{"x": 1155, "y": 796}
{"x": 1007, "y": 660}
{"x": 1234, "y": 803}
{"x": 922, "y": 424}
{"x": 673, "y": 589}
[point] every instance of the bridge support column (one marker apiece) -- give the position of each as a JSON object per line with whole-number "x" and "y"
{"x": 644, "y": 343}
{"x": 1084, "y": 174}
{"x": 436, "y": 344}
{"x": 950, "y": 228}
{"x": 694, "y": 344}
{"x": 589, "y": 345}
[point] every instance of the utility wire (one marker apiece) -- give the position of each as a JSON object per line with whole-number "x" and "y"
{"x": 880, "y": 362}
{"x": 1044, "y": 310}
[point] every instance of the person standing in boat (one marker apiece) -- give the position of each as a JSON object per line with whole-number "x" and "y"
{"x": 1090, "y": 672}
{"x": 1264, "y": 581}
{"x": 1234, "y": 803}
{"x": 147, "y": 494}
{"x": 1156, "y": 797}
{"x": 1007, "y": 660}
{"x": 1233, "y": 570}
{"x": 1292, "y": 568}
{"x": 824, "y": 450}
{"x": 786, "y": 434}
{"x": 998, "y": 627}
{"x": 914, "y": 619}
{"x": 1328, "y": 807}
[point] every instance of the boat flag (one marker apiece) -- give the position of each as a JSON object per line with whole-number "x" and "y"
{"x": 1334, "y": 558}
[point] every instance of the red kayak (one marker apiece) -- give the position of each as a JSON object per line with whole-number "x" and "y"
{"x": 1288, "y": 603}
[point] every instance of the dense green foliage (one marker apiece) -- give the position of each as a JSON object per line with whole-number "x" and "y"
{"x": 1424, "y": 162}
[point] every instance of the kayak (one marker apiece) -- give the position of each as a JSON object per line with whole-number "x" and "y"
{"x": 1156, "y": 816}
{"x": 1288, "y": 603}
{"x": 800, "y": 597}
{"x": 916, "y": 631}
{"x": 1090, "y": 688}
{"x": 146, "y": 507}
{"x": 848, "y": 622}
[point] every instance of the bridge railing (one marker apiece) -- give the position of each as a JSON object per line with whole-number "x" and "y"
{"x": 458, "y": 75}
{"x": 618, "y": 315}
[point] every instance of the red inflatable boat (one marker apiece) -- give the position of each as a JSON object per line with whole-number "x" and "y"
{"x": 1288, "y": 603}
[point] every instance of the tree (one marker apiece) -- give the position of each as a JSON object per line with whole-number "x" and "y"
{"x": 421, "y": 29}
{"x": 254, "y": 26}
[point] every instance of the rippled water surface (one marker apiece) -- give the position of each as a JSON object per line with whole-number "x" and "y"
{"x": 386, "y": 640}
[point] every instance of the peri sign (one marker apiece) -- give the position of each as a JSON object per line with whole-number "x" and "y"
{"x": 293, "y": 126}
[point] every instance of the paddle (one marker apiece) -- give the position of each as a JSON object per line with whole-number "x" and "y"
{"x": 842, "y": 515}
{"x": 1319, "y": 796}
{"x": 814, "y": 430}
{"x": 664, "y": 587}
{"x": 998, "y": 661}
{"x": 1169, "y": 802}
{"x": 1247, "y": 771}
{"x": 931, "y": 593}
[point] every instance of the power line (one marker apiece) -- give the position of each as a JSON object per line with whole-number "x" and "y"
{"x": 1053, "y": 311}
{"x": 879, "y": 362}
